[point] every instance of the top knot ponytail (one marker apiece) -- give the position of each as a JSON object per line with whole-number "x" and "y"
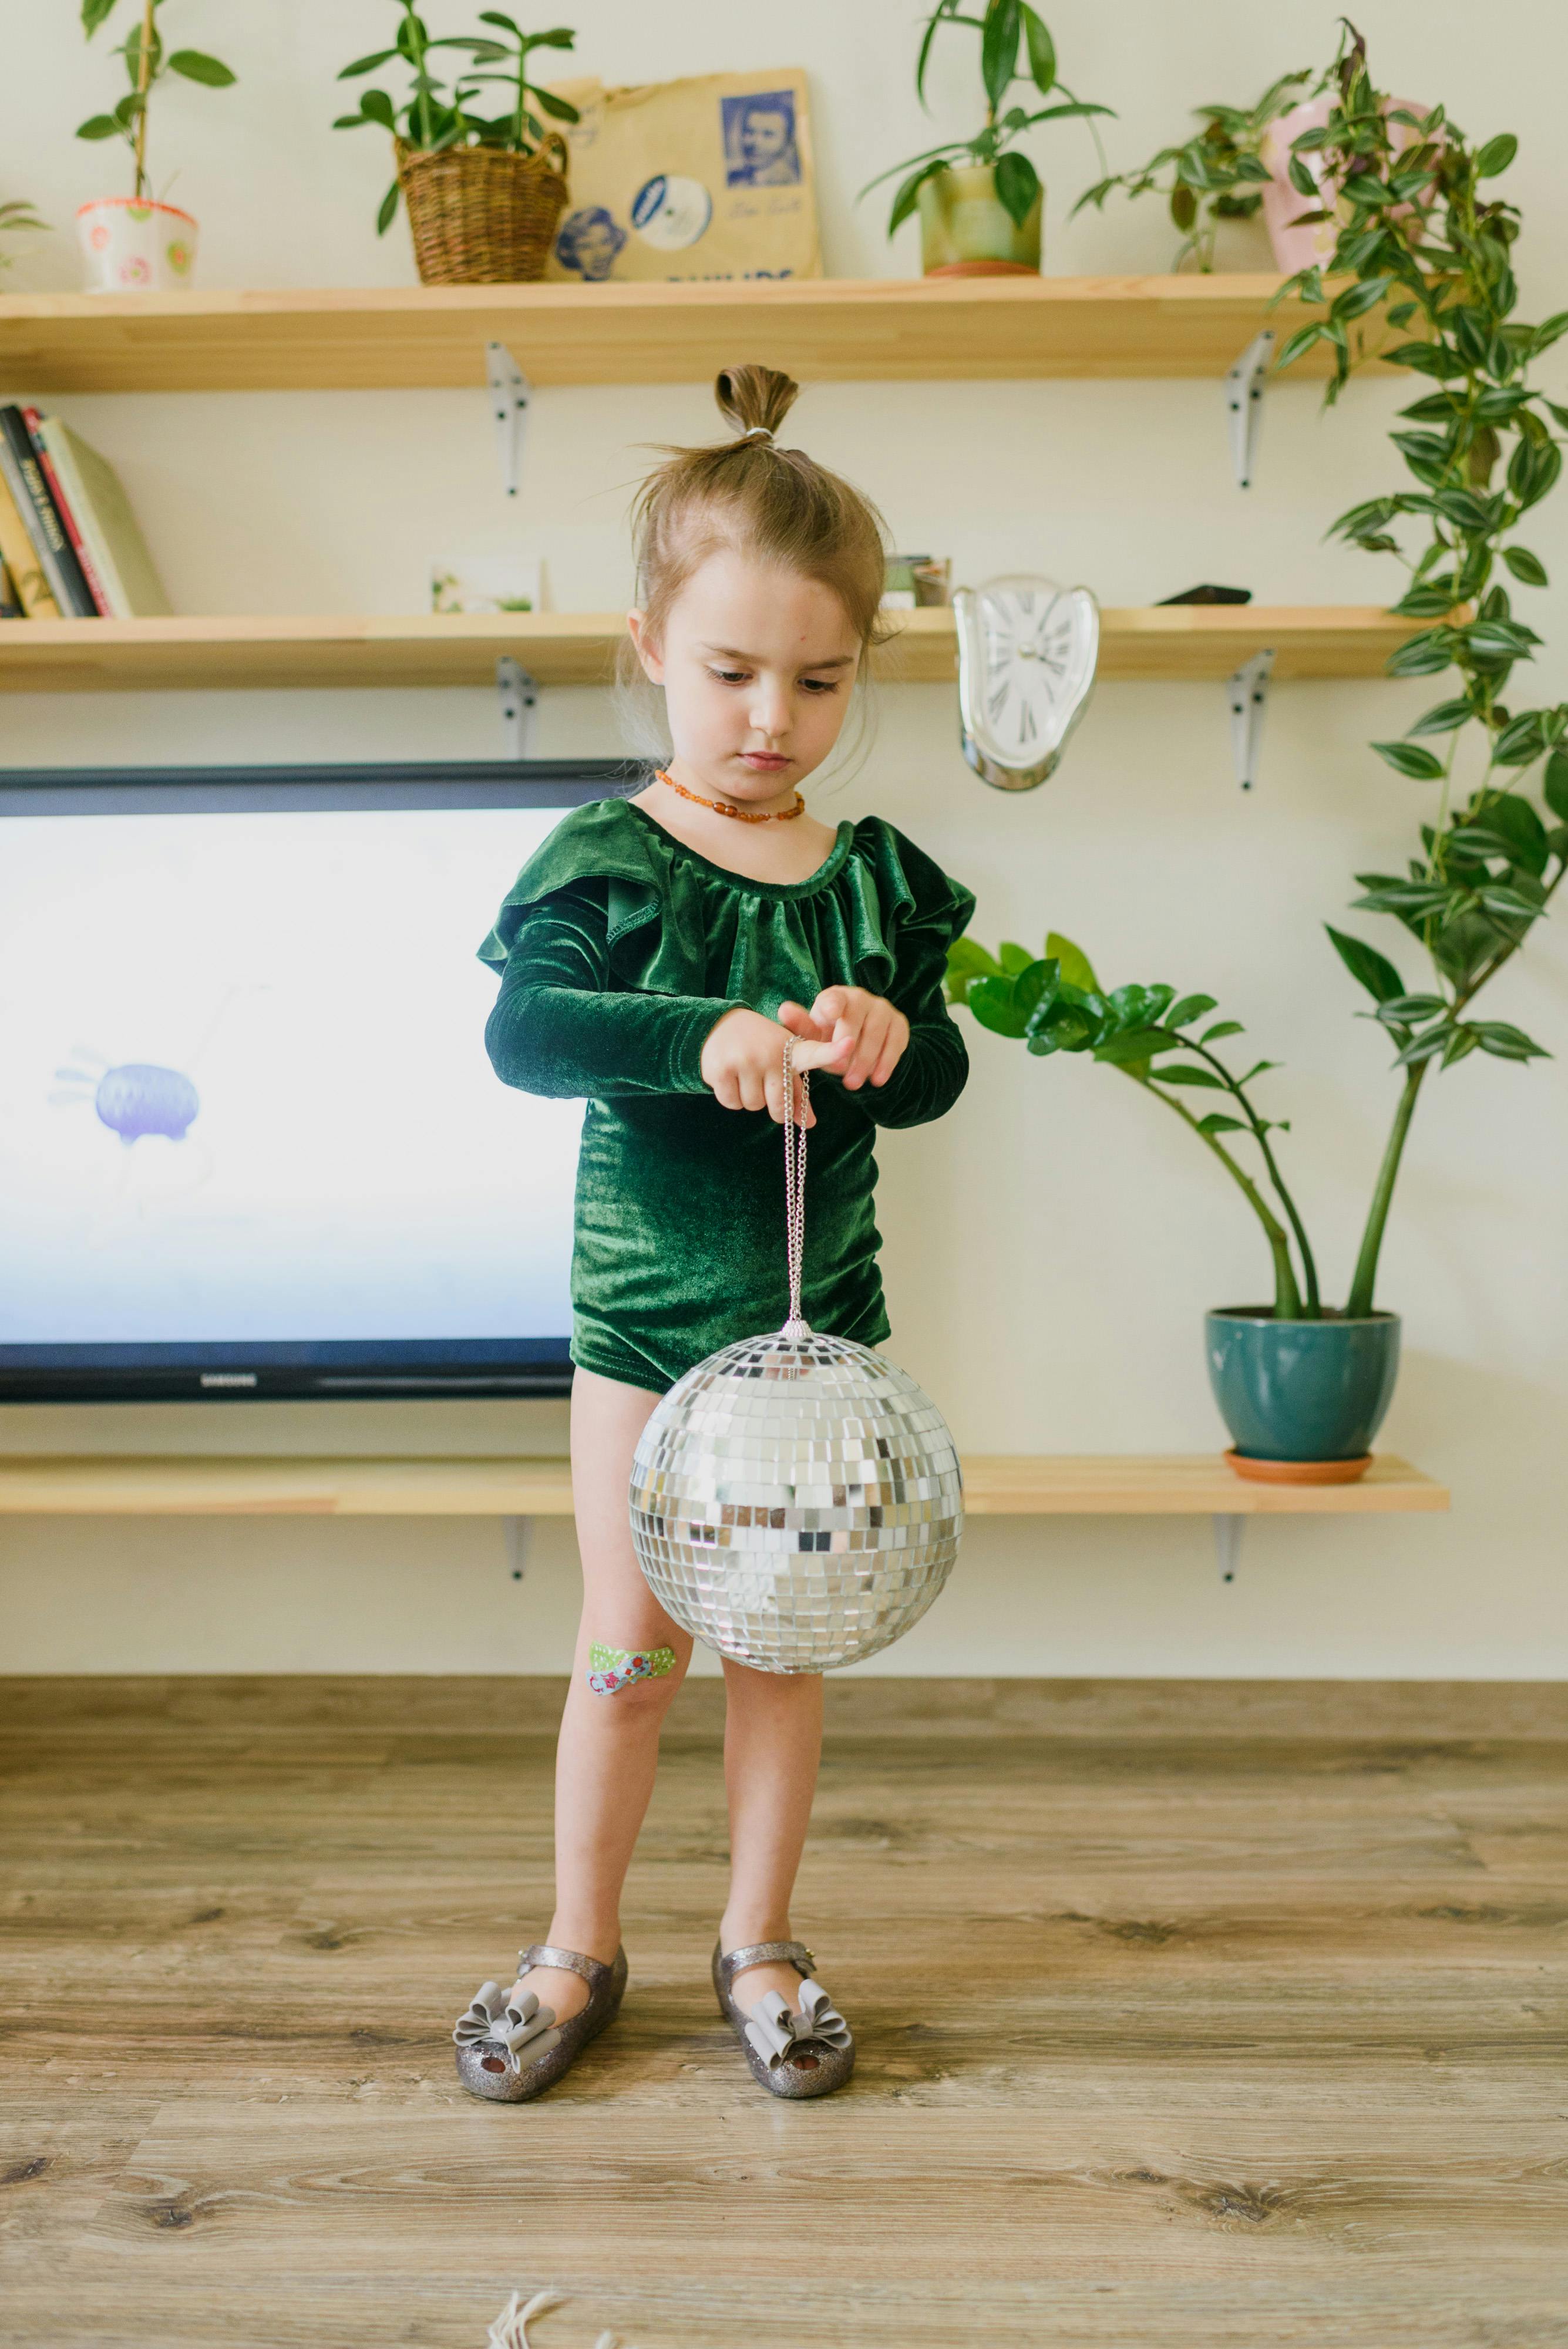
{"x": 776, "y": 505}
{"x": 754, "y": 399}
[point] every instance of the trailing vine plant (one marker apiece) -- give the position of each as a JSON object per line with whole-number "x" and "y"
{"x": 1423, "y": 249}
{"x": 1218, "y": 174}
{"x": 1423, "y": 240}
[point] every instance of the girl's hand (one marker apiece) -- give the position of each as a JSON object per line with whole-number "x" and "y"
{"x": 742, "y": 1060}
{"x": 869, "y": 1035}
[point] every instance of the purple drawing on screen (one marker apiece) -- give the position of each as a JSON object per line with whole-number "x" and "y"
{"x": 136, "y": 1098}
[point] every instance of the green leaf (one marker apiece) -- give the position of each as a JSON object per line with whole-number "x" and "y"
{"x": 1191, "y": 1008}
{"x": 362, "y": 65}
{"x": 1017, "y": 185}
{"x": 1221, "y": 1027}
{"x": 999, "y": 48}
{"x": 1521, "y": 828}
{"x": 1042, "y": 50}
{"x": 1357, "y": 300}
{"x": 1218, "y": 1123}
{"x": 389, "y": 207}
{"x": 1520, "y": 742}
{"x": 98, "y": 126}
{"x": 376, "y": 107}
{"x": 1369, "y": 968}
{"x": 1013, "y": 958}
{"x": 1135, "y": 1046}
{"x": 1526, "y": 566}
{"x": 1499, "y": 639}
{"x": 1076, "y": 968}
{"x": 1497, "y": 899}
{"x": 1554, "y": 783}
{"x": 1532, "y": 470}
{"x": 1444, "y": 717}
{"x": 94, "y": 14}
{"x": 1409, "y": 759}
{"x": 197, "y": 66}
{"x": 1424, "y": 655}
{"x": 1496, "y": 155}
{"x": 1304, "y": 339}
{"x": 995, "y": 1004}
{"x": 1183, "y": 1075}
{"x": 1406, "y": 1010}
{"x": 1508, "y": 1043}
{"x": 907, "y": 201}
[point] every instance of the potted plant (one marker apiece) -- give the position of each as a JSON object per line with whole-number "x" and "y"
{"x": 483, "y": 191}
{"x": 1219, "y": 174}
{"x": 981, "y": 200}
{"x": 137, "y": 243}
{"x": 1304, "y": 1386}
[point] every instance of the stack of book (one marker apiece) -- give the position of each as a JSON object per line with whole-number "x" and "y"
{"x": 69, "y": 546}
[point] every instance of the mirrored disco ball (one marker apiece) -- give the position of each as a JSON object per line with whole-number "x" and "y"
{"x": 796, "y": 1502}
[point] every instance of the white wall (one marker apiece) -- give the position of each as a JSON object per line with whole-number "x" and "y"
{"x": 1052, "y": 1247}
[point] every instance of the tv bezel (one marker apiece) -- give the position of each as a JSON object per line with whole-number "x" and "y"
{"x": 348, "y": 1371}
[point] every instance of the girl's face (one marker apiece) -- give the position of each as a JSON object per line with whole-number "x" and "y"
{"x": 757, "y": 665}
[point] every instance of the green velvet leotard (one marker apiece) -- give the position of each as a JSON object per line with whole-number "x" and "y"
{"x": 619, "y": 948}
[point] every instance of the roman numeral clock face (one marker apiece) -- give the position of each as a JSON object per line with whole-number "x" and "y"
{"x": 1027, "y": 650}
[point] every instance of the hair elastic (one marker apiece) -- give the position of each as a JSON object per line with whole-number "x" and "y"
{"x": 758, "y": 433}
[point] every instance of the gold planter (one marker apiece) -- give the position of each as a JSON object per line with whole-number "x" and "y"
{"x": 480, "y": 216}
{"x": 967, "y": 231}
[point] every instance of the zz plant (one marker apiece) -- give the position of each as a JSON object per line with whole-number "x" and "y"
{"x": 1015, "y": 44}
{"x": 1424, "y": 245}
{"x": 435, "y": 115}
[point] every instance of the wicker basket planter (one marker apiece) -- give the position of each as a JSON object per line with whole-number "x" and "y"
{"x": 480, "y": 216}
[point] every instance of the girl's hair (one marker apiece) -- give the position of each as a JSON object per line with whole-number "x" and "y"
{"x": 776, "y": 505}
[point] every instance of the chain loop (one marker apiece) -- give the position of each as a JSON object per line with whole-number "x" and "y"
{"x": 794, "y": 1188}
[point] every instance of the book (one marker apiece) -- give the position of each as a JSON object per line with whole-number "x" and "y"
{"x": 17, "y": 553}
{"x": 101, "y": 604}
{"x": 110, "y": 537}
{"x": 24, "y": 477}
{"x": 10, "y": 601}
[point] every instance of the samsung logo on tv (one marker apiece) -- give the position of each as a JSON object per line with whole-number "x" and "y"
{"x": 228, "y": 1378}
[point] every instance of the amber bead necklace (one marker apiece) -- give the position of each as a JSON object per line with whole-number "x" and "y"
{"x": 742, "y": 815}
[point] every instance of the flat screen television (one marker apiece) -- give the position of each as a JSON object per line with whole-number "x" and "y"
{"x": 250, "y": 1142}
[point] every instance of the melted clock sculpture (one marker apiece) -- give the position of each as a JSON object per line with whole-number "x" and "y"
{"x": 1027, "y": 650}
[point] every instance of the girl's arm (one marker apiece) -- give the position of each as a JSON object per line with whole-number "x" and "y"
{"x": 557, "y": 1028}
{"x": 934, "y": 1066}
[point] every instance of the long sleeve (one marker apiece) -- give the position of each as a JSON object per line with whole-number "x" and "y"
{"x": 934, "y": 1069}
{"x": 559, "y": 1027}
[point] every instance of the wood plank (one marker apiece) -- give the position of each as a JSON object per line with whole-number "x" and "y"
{"x": 1118, "y": 1485}
{"x": 268, "y": 650}
{"x": 823, "y": 330}
{"x": 1249, "y": 2044}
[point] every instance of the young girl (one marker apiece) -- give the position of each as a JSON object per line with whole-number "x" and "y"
{"x": 655, "y": 955}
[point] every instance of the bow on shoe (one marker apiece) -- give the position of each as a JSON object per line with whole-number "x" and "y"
{"x": 491, "y": 2018}
{"x": 775, "y": 2030}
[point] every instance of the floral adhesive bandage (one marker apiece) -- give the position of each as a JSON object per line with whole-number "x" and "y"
{"x": 612, "y": 1669}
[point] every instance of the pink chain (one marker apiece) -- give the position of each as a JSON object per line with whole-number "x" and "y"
{"x": 794, "y": 1188}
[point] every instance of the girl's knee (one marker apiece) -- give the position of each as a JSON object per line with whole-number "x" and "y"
{"x": 637, "y": 1681}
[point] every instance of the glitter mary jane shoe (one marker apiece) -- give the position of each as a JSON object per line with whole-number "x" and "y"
{"x": 806, "y": 2055}
{"x": 512, "y": 2049}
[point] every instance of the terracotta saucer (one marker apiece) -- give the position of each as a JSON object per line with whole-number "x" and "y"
{"x": 1299, "y": 1471}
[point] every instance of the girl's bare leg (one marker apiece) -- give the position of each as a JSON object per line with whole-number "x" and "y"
{"x": 773, "y": 1744}
{"x": 609, "y": 1746}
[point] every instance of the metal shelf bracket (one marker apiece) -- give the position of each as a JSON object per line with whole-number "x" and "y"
{"x": 509, "y": 396}
{"x": 1228, "y": 1546}
{"x": 1245, "y": 405}
{"x": 1249, "y": 692}
{"x": 519, "y": 695}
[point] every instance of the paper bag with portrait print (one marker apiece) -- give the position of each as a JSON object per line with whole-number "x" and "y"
{"x": 705, "y": 178}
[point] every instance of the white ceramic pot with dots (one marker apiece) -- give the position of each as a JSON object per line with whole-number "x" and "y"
{"x": 133, "y": 245}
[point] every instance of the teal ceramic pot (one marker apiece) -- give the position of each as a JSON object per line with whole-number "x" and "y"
{"x": 1301, "y": 1390}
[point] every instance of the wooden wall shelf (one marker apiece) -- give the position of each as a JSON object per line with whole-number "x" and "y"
{"x": 838, "y": 330}
{"x": 1026, "y": 1485}
{"x": 578, "y": 648}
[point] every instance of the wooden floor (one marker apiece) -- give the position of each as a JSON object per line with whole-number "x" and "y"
{"x": 1195, "y": 2015}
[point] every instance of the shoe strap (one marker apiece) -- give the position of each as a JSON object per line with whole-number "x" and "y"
{"x": 765, "y": 1953}
{"x": 568, "y": 1962}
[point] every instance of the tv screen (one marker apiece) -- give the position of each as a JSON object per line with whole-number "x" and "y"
{"x": 250, "y": 1140}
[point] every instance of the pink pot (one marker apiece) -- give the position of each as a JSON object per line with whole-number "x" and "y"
{"x": 132, "y": 245}
{"x": 1299, "y": 244}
